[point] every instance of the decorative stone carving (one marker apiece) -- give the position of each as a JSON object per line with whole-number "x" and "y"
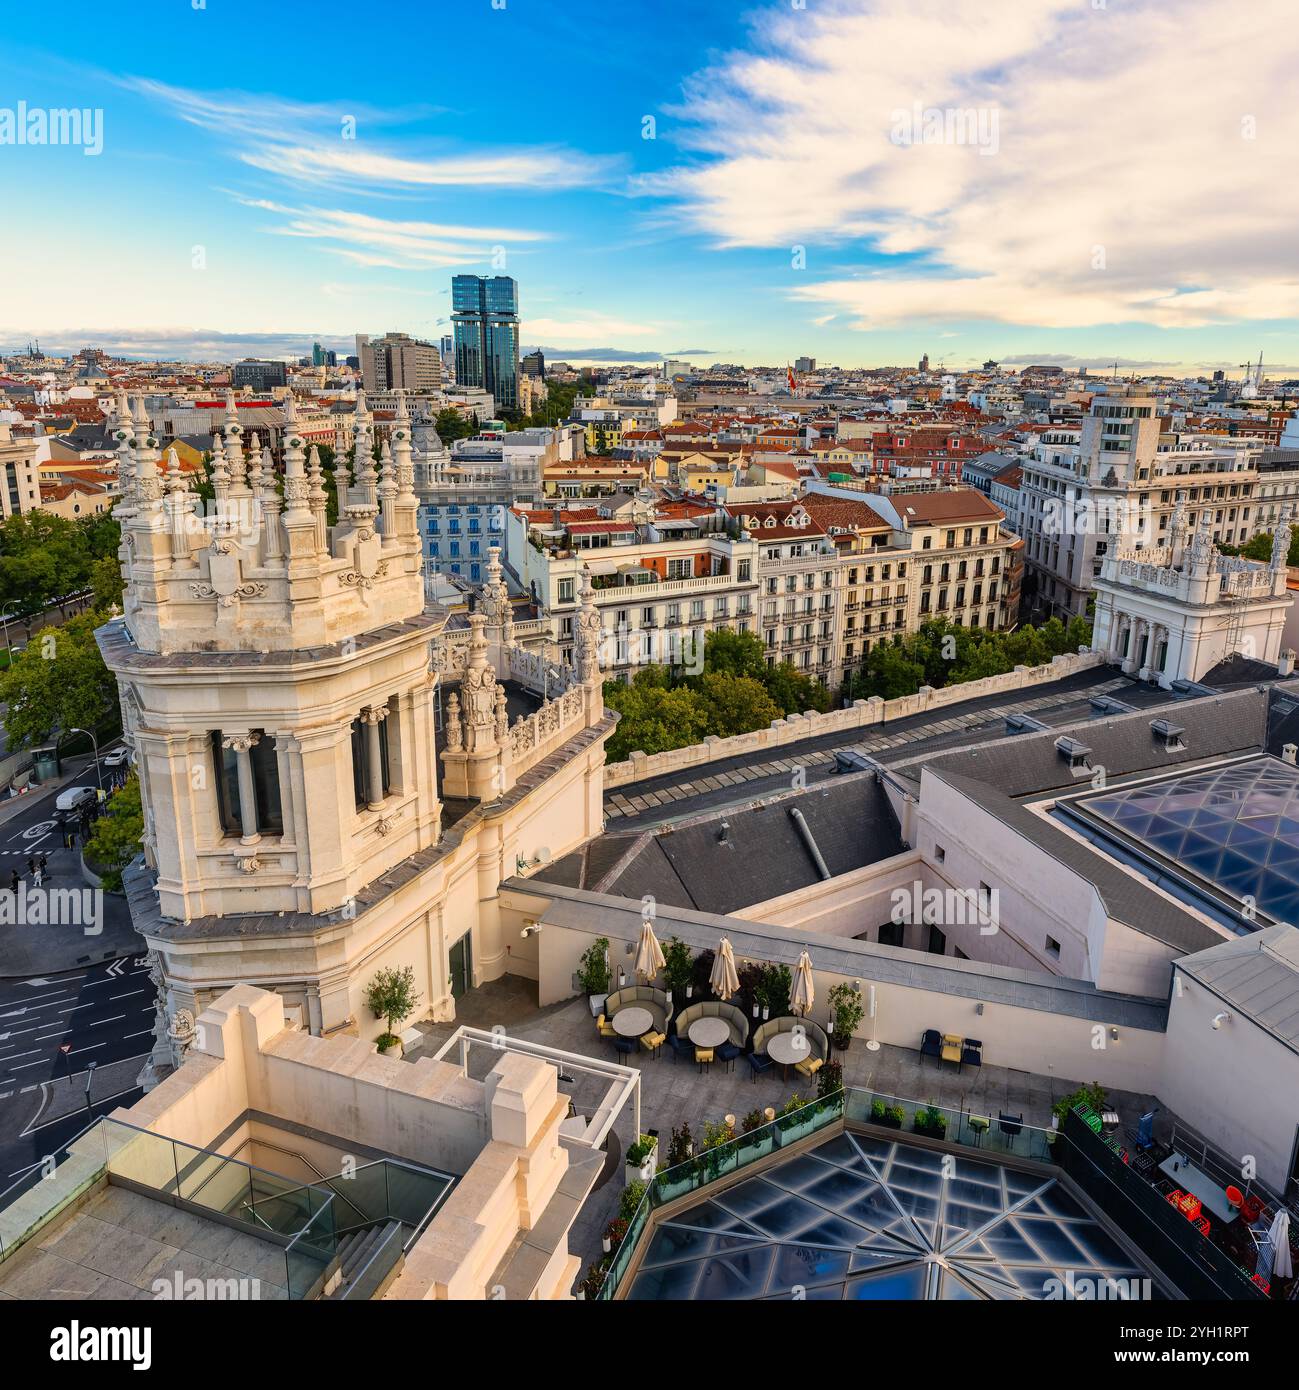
{"x": 249, "y": 865}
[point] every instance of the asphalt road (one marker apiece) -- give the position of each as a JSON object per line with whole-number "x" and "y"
{"x": 51, "y": 1028}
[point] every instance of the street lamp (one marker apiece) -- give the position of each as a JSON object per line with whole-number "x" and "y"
{"x": 90, "y": 1076}
{"x": 95, "y": 743}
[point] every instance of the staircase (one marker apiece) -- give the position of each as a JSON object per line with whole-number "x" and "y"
{"x": 357, "y": 1251}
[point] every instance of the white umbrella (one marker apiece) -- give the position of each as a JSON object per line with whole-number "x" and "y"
{"x": 803, "y": 995}
{"x": 724, "y": 981}
{"x": 1279, "y": 1237}
{"x": 649, "y": 954}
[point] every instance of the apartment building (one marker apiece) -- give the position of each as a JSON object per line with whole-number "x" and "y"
{"x": 660, "y": 584}
{"x": 966, "y": 568}
{"x": 800, "y": 585}
{"x": 398, "y": 362}
{"x": 1118, "y": 480}
{"x": 21, "y": 491}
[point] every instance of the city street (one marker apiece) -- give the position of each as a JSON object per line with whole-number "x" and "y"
{"x": 102, "y": 1014}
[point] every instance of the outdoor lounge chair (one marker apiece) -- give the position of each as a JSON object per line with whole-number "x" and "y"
{"x": 728, "y": 1052}
{"x": 759, "y": 1061}
{"x": 624, "y": 1046}
{"x": 931, "y": 1044}
{"x": 971, "y": 1053}
{"x": 1010, "y": 1125}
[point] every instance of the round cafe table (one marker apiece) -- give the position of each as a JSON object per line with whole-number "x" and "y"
{"x": 709, "y": 1032}
{"x": 631, "y": 1023}
{"x": 788, "y": 1048}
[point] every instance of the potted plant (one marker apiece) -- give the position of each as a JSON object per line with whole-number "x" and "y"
{"x": 640, "y": 1159}
{"x": 848, "y": 1011}
{"x": 678, "y": 967}
{"x": 878, "y": 1110}
{"x": 681, "y": 1146}
{"x": 829, "y": 1080}
{"x": 930, "y": 1120}
{"x": 614, "y": 1234}
{"x": 593, "y": 974}
{"x": 392, "y": 996}
{"x": 631, "y": 1200}
{"x": 895, "y": 1117}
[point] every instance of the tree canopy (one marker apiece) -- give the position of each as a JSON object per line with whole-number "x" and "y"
{"x": 115, "y": 839}
{"x": 57, "y": 682}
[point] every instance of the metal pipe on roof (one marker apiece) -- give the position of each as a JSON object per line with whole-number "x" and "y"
{"x": 810, "y": 841}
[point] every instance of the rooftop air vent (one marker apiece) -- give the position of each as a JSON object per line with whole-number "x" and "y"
{"x": 1073, "y": 751}
{"x": 1168, "y": 734}
{"x": 724, "y": 833}
{"x": 1024, "y": 724}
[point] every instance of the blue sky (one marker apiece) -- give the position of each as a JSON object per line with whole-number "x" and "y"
{"x": 276, "y": 173}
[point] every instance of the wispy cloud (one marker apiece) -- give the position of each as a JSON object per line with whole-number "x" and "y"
{"x": 329, "y": 144}
{"x": 373, "y": 241}
{"x": 1134, "y": 177}
{"x": 589, "y": 328}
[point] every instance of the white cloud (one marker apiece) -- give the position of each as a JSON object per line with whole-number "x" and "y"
{"x": 395, "y": 244}
{"x": 330, "y": 144}
{"x": 1121, "y": 188}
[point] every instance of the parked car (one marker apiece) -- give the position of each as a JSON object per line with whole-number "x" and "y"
{"x": 117, "y": 757}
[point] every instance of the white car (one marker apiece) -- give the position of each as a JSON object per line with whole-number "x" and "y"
{"x": 117, "y": 757}
{"x": 74, "y": 798}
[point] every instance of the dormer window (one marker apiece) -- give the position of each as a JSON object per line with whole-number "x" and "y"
{"x": 1074, "y": 753}
{"x": 1168, "y": 735}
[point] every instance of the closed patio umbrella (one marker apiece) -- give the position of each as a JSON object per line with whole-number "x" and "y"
{"x": 803, "y": 995}
{"x": 649, "y": 954}
{"x": 1278, "y": 1237}
{"x": 724, "y": 981}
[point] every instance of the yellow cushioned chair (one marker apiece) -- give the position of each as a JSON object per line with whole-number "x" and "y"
{"x": 810, "y": 1067}
{"x": 652, "y": 1041}
{"x": 704, "y": 1056}
{"x": 606, "y": 1029}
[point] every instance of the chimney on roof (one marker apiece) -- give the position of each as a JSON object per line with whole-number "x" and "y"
{"x": 1290, "y": 753}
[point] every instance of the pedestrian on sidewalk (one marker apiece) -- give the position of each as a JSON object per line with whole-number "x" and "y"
{"x": 31, "y": 864}
{"x": 43, "y": 864}
{"x": 14, "y": 880}
{"x": 37, "y": 875}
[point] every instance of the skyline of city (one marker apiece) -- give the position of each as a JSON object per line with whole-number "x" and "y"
{"x": 994, "y": 208}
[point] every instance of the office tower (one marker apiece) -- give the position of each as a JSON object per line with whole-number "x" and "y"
{"x": 805, "y": 364}
{"x": 261, "y": 376}
{"x": 485, "y": 315}
{"x": 398, "y": 362}
{"x": 534, "y": 364}
{"x": 317, "y": 355}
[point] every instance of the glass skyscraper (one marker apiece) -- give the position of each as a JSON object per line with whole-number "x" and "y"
{"x": 485, "y": 317}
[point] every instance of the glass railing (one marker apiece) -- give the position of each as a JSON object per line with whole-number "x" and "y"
{"x": 310, "y": 1254}
{"x": 969, "y": 1129}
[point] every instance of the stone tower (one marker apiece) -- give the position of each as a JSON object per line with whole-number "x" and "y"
{"x": 278, "y": 686}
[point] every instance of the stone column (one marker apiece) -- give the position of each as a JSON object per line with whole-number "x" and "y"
{"x": 372, "y": 718}
{"x": 243, "y": 744}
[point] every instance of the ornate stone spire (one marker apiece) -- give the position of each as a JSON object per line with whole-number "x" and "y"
{"x": 234, "y": 441}
{"x": 364, "y": 494}
{"x": 318, "y": 499}
{"x": 1281, "y": 542}
{"x": 220, "y": 475}
{"x": 177, "y": 506}
{"x": 403, "y": 457}
{"x": 387, "y": 493}
{"x": 124, "y": 433}
{"x": 148, "y": 483}
{"x": 586, "y": 634}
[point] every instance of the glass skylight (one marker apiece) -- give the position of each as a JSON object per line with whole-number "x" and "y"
{"x": 1235, "y": 827}
{"x": 865, "y": 1218}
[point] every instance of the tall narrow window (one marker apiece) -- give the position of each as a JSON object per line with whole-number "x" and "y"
{"x": 247, "y": 784}
{"x": 371, "y": 779}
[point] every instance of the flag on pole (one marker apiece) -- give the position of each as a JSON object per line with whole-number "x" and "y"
{"x": 789, "y": 372}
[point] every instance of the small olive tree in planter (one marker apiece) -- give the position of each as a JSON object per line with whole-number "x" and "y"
{"x": 849, "y": 1011}
{"x": 593, "y": 974}
{"x": 641, "y": 1159}
{"x": 392, "y": 996}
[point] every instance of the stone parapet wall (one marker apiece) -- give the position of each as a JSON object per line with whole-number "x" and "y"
{"x": 862, "y": 714}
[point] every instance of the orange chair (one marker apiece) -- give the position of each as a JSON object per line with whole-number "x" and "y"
{"x": 1235, "y": 1197}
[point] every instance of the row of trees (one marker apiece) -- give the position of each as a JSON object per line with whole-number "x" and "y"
{"x": 941, "y": 654}
{"x": 45, "y": 559}
{"x": 735, "y": 692}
